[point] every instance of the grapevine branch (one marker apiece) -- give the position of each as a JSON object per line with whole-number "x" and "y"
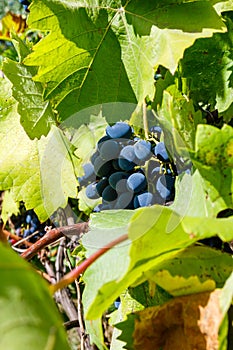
{"x": 75, "y": 273}
{"x": 53, "y": 235}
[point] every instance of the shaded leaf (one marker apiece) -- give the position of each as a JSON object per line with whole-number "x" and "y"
{"x": 213, "y": 158}
{"x": 28, "y": 312}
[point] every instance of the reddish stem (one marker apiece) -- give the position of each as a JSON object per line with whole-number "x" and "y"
{"x": 75, "y": 273}
{"x": 52, "y": 236}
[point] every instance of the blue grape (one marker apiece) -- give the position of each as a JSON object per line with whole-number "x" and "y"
{"x": 117, "y": 304}
{"x": 89, "y": 174}
{"x": 101, "y": 141}
{"x": 144, "y": 199}
{"x": 142, "y": 150}
{"x": 91, "y": 191}
{"x": 119, "y": 130}
{"x": 115, "y": 178}
{"x": 109, "y": 194}
{"x": 127, "y": 158}
{"x": 101, "y": 185}
{"x": 109, "y": 149}
{"x": 115, "y": 164}
{"x": 94, "y": 156}
{"x": 161, "y": 152}
{"x": 102, "y": 167}
{"x": 101, "y": 207}
{"x": 28, "y": 219}
{"x": 32, "y": 229}
{"x": 124, "y": 201}
{"x": 136, "y": 182}
{"x": 156, "y": 130}
{"x": 24, "y": 2}
{"x": 165, "y": 187}
{"x": 26, "y": 233}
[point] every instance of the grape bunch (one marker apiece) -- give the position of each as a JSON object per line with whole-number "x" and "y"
{"x": 25, "y": 4}
{"x": 27, "y": 225}
{"x": 129, "y": 172}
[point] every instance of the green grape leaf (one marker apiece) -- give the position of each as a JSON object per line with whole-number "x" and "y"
{"x": 36, "y": 115}
{"x": 194, "y": 270}
{"x": 170, "y": 233}
{"x": 207, "y": 63}
{"x": 213, "y": 158}
{"x": 39, "y": 172}
{"x": 192, "y": 189}
{"x": 80, "y": 70}
{"x": 87, "y": 136}
{"x": 177, "y": 115}
{"x": 9, "y": 206}
{"x": 28, "y": 312}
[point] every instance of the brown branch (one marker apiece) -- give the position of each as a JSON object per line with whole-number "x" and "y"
{"x": 52, "y": 236}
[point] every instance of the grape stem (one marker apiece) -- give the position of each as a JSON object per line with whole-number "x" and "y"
{"x": 53, "y": 235}
{"x": 145, "y": 121}
{"x": 76, "y": 272}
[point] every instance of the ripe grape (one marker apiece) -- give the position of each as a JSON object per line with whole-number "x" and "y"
{"x": 144, "y": 199}
{"x": 165, "y": 187}
{"x": 109, "y": 194}
{"x": 101, "y": 185}
{"x": 119, "y": 130}
{"x": 102, "y": 167}
{"x": 161, "y": 152}
{"x": 127, "y": 158}
{"x": 136, "y": 182}
{"x": 117, "y": 177}
{"x": 142, "y": 150}
{"x": 91, "y": 191}
{"x": 89, "y": 174}
{"x": 125, "y": 201}
{"x": 109, "y": 149}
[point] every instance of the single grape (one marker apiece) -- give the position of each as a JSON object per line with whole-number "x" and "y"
{"x": 127, "y": 158}
{"x": 161, "y": 152}
{"x": 94, "y": 156}
{"x": 32, "y": 229}
{"x": 115, "y": 165}
{"x": 102, "y": 167}
{"x": 115, "y": 178}
{"x": 156, "y": 131}
{"x": 124, "y": 201}
{"x": 101, "y": 207}
{"x": 165, "y": 187}
{"x": 109, "y": 194}
{"x": 101, "y": 141}
{"x": 28, "y": 219}
{"x": 136, "y": 182}
{"x": 142, "y": 150}
{"x": 119, "y": 130}
{"x": 89, "y": 174}
{"x": 26, "y": 233}
{"x": 109, "y": 149}
{"x": 101, "y": 185}
{"x": 144, "y": 199}
{"x": 24, "y": 2}
{"x": 117, "y": 303}
{"x": 91, "y": 191}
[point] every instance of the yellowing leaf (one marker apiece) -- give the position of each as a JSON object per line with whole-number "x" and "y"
{"x": 11, "y": 22}
{"x": 188, "y": 322}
